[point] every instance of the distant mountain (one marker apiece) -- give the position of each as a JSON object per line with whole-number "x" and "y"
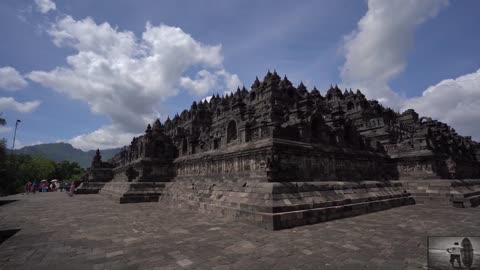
{"x": 65, "y": 151}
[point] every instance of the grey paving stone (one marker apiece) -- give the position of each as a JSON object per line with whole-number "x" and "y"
{"x": 89, "y": 232}
{"x": 184, "y": 262}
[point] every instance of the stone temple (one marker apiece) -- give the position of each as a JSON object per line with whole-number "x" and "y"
{"x": 279, "y": 156}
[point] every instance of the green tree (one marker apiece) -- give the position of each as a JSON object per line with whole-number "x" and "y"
{"x": 4, "y": 172}
{"x": 34, "y": 168}
{"x": 16, "y": 170}
{"x": 66, "y": 170}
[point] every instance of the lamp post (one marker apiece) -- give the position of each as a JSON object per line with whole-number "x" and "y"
{"x": 13, "y": 156}
{"x": 15, "y": 134}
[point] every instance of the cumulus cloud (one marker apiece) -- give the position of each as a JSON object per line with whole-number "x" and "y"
{"x": 103, "y": 138}
{"x": 454, "y": 101}
{"x": 376, "y": 52}
{"x": 206, "y": 81}
{"x": 9, "y": 103}
{"x": 232, "y": 81}
{"x": 203, "y": 82}
{"x": 127, "y": 77}
{"x": 44, "y": 6}
{"x": 11, "y": 80}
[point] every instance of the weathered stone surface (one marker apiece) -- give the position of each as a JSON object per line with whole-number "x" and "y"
{"x": 456, "y": 192}
{"x": 89, "y": 232}
{"x": 90, "y": 187}
{"x": 127, "y": 192}
{"x": 238, "y": 155}
{"x": 97, "y": 175}
{"x": 289, "y": 204}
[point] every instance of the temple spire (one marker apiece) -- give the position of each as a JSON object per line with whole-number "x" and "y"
{"x": 268, "y": 76}
{"x": 275, "y": 76}
{"x": 286, "y": 82}
{"x": 302, "y": 89}
{"x": 256, "y": 83}
{"x": 157, "y": 125}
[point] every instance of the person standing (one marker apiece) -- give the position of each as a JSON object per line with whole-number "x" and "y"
{"x": 72, "y": 189}
{"x": 455, "y": 253}
{"x": 34, "y": 187}
{"x": 28, "y": 187}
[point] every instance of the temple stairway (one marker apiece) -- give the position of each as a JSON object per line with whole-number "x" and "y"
{"x": 133, "y": 192}
{"x": 90, "y": 187}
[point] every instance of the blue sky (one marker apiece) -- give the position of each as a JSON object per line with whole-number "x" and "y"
{"x": 123, "y": 74}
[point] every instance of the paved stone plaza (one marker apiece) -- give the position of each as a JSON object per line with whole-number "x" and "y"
{"x": 90, "y": 232}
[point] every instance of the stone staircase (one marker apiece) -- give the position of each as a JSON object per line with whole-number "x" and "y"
{"x": 90, "y": 187}
{"x": 133, "y": 192}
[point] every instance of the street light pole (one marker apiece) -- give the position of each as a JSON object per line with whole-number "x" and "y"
{"x": 15, "y": 135}
{"x": 13, "y": 157}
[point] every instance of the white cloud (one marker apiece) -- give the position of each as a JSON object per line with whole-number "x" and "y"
{"x": 9, "y": 103}
{"x": 377, "y": 51}
{"x": 454, "y": 101}
{"x": 127, "y": 77}
{"x": 4, "y": 129}
{"x": 103, "y": 138}
{"x": 203, "y": 82}
{"x": 232, "y": 81}
{"x": 11, "y": 80}
{"x": 44, "y": 6}
{"x": 206, "y": 81}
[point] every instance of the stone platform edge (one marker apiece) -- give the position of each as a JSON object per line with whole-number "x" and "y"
{"x": 457, "y": 192}
{"x": 90, "y": 187}
{"x": 276, "y": 206}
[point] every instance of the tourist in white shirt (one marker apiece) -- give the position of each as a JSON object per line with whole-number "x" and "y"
{"x": 455, "y": 253}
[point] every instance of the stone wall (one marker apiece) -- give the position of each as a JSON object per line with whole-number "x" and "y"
{"x": 284, "y": 205}
{"x": 275, "y": 160}
{"x": 447, "y": 192}
{"x": 128, "y": 192}
{"x": 144, "y": 170}
{"x": 295, "y": 161}
{"x": 100, "y": 174}
{"x": 427, "y": 165}
{"x": 246, "y": 162}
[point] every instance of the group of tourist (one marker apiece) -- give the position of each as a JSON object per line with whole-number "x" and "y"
{"x": 44, "y": 186}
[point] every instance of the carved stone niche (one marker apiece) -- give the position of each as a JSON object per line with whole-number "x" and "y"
{"x": 232, "y": 131}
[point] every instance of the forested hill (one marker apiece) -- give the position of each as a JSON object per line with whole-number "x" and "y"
{"x": 65, "y": 151}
